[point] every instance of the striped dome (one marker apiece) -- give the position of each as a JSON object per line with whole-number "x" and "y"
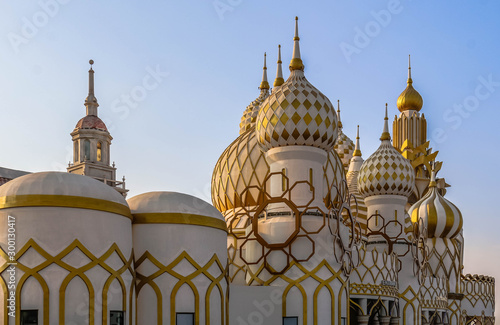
{"x": 442, "y": 218}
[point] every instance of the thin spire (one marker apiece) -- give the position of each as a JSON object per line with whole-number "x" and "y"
{"x": 410, "y": 81}
{"x": 279, "y": 71}
{"x": 338, "y": 114}
{"x": 357, "y": 148}
{"x": 434, "y": 171}
{"x": 264, "y": 84}
{"x": 385, "y": 134}
{"x": 91, "y": 101}
{"x": 296, "y": 63}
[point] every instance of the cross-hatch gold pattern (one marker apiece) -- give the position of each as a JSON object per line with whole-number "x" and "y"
{"x": 297, "y": 114}
{"x": 74, "y": 272}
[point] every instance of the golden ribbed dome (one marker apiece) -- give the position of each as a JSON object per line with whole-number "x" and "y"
{"x": 442, "y": 218}
{"x": 410, "y": 99}
{"x": 243, "y": 164}
{"x": 386, "y": 171}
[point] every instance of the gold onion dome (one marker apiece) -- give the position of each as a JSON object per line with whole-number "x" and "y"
{"x": 297, "y": 113}
{"x": 250, "y": 113}
{"x": 410, "y": 99}
{"x": 386, "y": 171}
{"x": 243, "y": 164}
{"x": 442, "y": 218}
{"x": 344, "y": 145}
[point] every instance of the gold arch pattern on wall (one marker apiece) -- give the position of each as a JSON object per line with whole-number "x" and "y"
{"x": 73, "y": 273}
{"x": 433, "y": 293}
{"x": 295, "y": 281}
{"x": 410, "y": 298}
{"x": 199, "y": 270}
{"x": 479, "y": 289}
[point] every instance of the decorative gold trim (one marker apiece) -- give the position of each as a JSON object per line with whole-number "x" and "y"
{"x": 67, "y": 201}
{"x": 180, "y": 218}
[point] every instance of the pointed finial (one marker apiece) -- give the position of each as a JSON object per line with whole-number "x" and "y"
{"x": 264, "y": 84}
{"x": 357, "y": 148}
{"x": 91, "y": 101}
{"x": 409, "y": 71}
{"x": 296, "y": 63}
{"x": 385, "y": 134}
{"x": 433, "y": 176}
{"x": 338, "y": 115}
{"x": 279, "y": 71}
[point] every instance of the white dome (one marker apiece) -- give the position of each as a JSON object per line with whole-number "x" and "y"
{"x": 51, "y": 188}
{"x": 174, "y": 207}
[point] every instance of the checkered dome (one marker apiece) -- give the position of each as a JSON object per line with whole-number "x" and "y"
{"x": 386, "y": 172}
{"x": 297, "y": 114}
{"x": 345, "y": 148}
{"x": 250, "y": 113}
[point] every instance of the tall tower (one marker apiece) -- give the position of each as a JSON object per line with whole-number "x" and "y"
{"x": 410, "y": 138}
{"x": 91, "y": 144}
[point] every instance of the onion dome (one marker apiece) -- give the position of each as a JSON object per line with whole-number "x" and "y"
{"x": 442, "y": 218}
{"x": 297, "y": 113}
{"x": 174, "y": 208}
{"x": 250, "y": 113}
{"x": 410, "y": 99}
{"x": 57, "y": 189}
{"x": 344, "y": 146}
{"x": 240, "y": 166}
{"x": 243, "y": 164}
{"x": 386, "y": 171}
{"x": 352, "y": 184}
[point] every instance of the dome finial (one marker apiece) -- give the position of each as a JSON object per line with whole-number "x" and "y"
{"x": 433, "y": 175}
{"x": 91, "y": 101}
{"x": 264, "y": 84}
{"x": 409, "y": 70}
{"x": 409, "y": 99}
{"x": 385, "y": 134}
{"x": 279, "y": 71}
{"x": 296, "y": 63}
{"x": 338, "y": 115}
{"x": 357, "y": 148}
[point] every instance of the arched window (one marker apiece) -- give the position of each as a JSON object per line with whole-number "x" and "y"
{"x": 86, "y": 149}
{"x": 99, "y": 151}
{"x": 76, "y": 153}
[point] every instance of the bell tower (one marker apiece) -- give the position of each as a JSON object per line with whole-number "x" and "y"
{"x": 91, "y": 145}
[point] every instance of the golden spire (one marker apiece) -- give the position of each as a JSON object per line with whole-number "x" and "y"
{"x": 409, "y": 99}
{"x": 264, "y": 84}
{"x": 296, "y": 63}
{"x": 385, "y": 134}
{"x": 279, "y": 72}
{"x": 433, "y": 178}
{"x": 338, "y": 115}
{"x": 91, "y": 101}
{"x": 357, "y": 150}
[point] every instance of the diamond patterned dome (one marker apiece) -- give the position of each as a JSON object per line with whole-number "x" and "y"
{"x": 250, "y": 114}
{"x": 386, "y": 172}
{"x": 297, "y": 114}
{"x": 345, "y": 148}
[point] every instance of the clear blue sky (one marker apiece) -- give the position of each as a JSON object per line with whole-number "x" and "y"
{"x": 172, "y": 135}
